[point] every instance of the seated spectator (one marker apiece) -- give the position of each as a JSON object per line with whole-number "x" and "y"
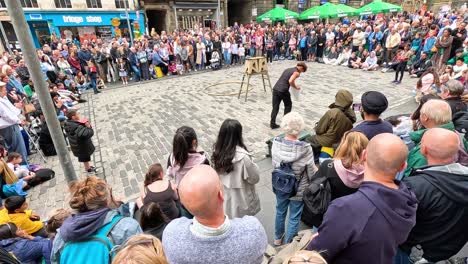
{"x": 237, "y": 171}
{"x": 211, "y": 236}
{"x": 434, "y": 113}
{"x": 290, "y": 150}
{"x": 153, "y": 221}
{"x": 442, "y": 214}
{"x": 448, "y": 75}
{"x": 81, "y": 82}
{"x": 141, "y": 249}
{"x": 344, "y": 172}
{"x": 90, "y": 198}
{"x": 17, "y": 209}
{"x": 373, "y": 104}
{"x": 56, "y": 219}
{"x": 334, "y": 123}
{"x": 459, "y": 54}
{"x": 306, "y": 257}
{"x": 370, "y": 64}
{"x": 184, "y": 154}
{"x": 160, "y": 191}
{"x": 429, "y": 83}
{"x": 378, "y": 217}
{"x": 24, "y": 247}
{"x": 10, "y": 185}
{"x": 343, "y": 57}
{"x": 451, "y": 92}
{"x": 331, "y": 57}
{"x": 402, "y": 127}
{"x": 354, "y": 62}
{"x": 22, "y": 172}
{"x": 421, "y": 65}
{"x": 459, "y": 69}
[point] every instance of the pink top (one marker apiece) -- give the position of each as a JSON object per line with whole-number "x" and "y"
{"x": 426, "y": 82}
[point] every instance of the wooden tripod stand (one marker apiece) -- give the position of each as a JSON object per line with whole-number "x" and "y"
{"x": 255, "y": 66}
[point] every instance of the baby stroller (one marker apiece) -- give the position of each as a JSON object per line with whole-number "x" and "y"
{"x": 215, "y": 61}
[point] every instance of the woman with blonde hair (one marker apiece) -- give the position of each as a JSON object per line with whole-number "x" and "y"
{"x": 141, "y": 249}
{"x": 344, "y": 172}
{"x": 93, "y": 219}
{"x": 306, "y": 257}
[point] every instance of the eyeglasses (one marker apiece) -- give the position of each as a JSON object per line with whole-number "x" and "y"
{"x": 302, "y": 259}
{"x": 135, "y": 243}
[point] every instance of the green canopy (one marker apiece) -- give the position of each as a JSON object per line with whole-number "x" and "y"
{"x": 327, "y": 10}
{"x": 344, "y": 10}
{"x": 378, "y": 7}
{"x": 277, "y": 14}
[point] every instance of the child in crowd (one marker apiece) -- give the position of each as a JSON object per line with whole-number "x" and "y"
{"x": 79, "y": 133}
{"x": 14, "y": 161}
{"x": 172, "y": 68}
{"x": 152, "y": 72}
{"x": 123, "y": 72}
{"x": 402, "y": 127}
{"x": 16, "y": 211}
{"x": 241, "y": 54}
{"x": 459, "y": 69}
{"x": 235, "y": 53}
{"x": 56, "y": 219}
{"x": 92, "y": 74}
{"x": 179, "y": 66}
{"x": 448, "y": 74}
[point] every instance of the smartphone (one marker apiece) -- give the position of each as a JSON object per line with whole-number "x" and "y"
{"x": 357, "y": 107}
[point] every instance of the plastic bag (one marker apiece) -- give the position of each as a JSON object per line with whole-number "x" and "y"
{"x": 296, "y": 94}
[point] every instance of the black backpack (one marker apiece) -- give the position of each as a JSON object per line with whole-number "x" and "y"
{"x": 7, "y": 258}
{"x": 460, "y": 121}
{"x": 317, "y": 195}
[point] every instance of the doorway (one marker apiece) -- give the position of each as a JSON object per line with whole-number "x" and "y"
{"x": 157, "y": 20}
{"x": 240, "y": 11}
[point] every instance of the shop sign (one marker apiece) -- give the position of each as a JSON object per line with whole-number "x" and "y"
{"x": 79, "y": 19}
{"x": 35, "y": 16}
{"x": 124, "y": 16}
{"x": 115, "y": 22}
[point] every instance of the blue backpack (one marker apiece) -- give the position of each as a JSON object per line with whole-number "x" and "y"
{"x": 95, "y": 249}
{"x": 284, "y": 180}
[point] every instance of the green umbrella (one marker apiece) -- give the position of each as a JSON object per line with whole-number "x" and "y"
{"x": 344, "y": 10}
{"x": 324, "y": 11}
{"x": 277, "y": 14}
{"x": 378, "y": 7}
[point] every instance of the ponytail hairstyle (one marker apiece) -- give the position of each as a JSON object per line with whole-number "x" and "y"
{"x": 7, "y": 231}
{"x": 152, "y": 216}
{"x": 182, "y": 144}
{"x": 224, "y": 150}
{"x": 89, "y": 194}
{"x": 153, "y": 174}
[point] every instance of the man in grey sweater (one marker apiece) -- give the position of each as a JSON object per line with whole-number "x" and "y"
{"x": 211, "y": 237}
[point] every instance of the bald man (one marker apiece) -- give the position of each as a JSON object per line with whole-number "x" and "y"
{"x": 211, "y": 237}
{"x": 441, "y": 189}
{"x": 368, "y": 226}
{"x": 434, "y": 113}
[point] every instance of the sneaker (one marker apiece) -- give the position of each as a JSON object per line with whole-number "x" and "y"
{"x": 397, "y": 82}
{"x": 414, "y": 76}
{"x": 384, "y": 70}
{"x": 394, "y": 81}
{"x": 92, "y": 170}
{"x": 274, "y": 126}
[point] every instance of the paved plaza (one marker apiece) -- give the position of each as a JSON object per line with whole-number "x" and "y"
{"x": 134, "y": 125}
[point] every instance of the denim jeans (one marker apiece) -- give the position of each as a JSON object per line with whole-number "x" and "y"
{"x": 94, "y": 84}
{"x": 227, "y": 58}
{"x": 402, "y": 258}
{"x": 14, "y": 141}
{"x": 295, "y": 212}
{"x": 252, "y": 52}
{"x": 137, "y": 73}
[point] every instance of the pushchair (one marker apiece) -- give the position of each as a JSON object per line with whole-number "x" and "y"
{"x": 215, "y": 61}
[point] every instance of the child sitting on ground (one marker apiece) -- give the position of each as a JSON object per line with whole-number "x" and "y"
{"x": 152, "y": 73}
{"x": 16, "y": 211}
{"x": 13, "y": 161}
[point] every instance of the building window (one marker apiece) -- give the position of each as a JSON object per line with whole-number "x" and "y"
{"x": 63, "y": 4}
{"x": 2, "y": 4}
{"x": 29, "y": 3}
{"x": 94, "y": 3}
{"x": 121, "y": 3}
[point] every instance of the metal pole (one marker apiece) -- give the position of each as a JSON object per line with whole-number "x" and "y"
{"x": 128, "y": 22}
{"x": 15, "y": 10}
{"x": 5, "y": 37}
{"x": 176, "y": 19}
{"x": 219, "y": 15}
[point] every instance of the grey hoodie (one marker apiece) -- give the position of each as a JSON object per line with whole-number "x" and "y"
{"x": 302, "y": 156}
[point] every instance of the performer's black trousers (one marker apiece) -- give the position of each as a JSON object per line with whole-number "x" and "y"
{"x": 277, "y": 98}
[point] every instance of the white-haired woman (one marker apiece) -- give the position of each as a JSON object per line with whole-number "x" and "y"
{"x": 299, "y": 154}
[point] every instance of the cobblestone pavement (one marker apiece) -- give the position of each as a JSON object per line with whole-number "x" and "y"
{"x": 134, "y": 125}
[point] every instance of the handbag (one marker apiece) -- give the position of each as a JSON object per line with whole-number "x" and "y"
{"x": 29, "y": 108}
{"x": 434, "y": 49}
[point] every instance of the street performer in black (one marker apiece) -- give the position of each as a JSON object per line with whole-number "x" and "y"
{"x": 281, "y": 91}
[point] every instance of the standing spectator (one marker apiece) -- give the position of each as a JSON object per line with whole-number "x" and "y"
{"x": 441, "y": 50}
{"x": 142, "y": 57}
{"x": 378, "y": 217}
{"x": 227, "y": 51}
{"x": 23, "y": 72}
{"x": 201, "y": 54}
{"x": 79, "y": 133}
{"x": 269, "y": 45}
{"x": 392, "y": 44}
{"x": 359, "y": 39}
{"x": 211, "y": 236}
{"x": 312, "y": 46}
{"x": 321, "y": 41}
{"x": 237, "y": 171}
{"x": 459, "y": 35}
{"x": 135, "y": 64}
{"x": 84, "y": 55}
{"x": 298, "y": 153}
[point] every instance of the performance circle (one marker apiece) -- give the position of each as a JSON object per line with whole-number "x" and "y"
{"x": 228, "y": 93}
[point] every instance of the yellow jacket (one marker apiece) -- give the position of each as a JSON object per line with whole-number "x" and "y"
{"x": 21, "y": 220}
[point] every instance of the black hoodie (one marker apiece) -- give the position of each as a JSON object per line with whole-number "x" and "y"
{"x": 442, "y": 215}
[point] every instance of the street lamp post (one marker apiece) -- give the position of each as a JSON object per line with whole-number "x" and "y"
{"x": 128, "y": 22}
{"x": 219, "y": 14}
{"x": 15, "y": 10}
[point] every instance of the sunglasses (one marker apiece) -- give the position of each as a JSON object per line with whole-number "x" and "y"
{"x": 135, "y": 243}
{"x": 301, "y": 259}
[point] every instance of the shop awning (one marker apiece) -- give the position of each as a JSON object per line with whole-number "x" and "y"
{"x": 196, "y": 5}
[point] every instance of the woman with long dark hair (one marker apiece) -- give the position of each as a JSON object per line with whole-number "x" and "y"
{"x": 184, "y": 154}
{"x": 238, "y": 173}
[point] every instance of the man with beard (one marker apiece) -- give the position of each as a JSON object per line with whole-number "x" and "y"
{"x": 373, "y": 104}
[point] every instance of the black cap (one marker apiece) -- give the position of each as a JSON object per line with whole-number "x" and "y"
{"x": 459, "y": 50}
{"x": 374, "y": 102}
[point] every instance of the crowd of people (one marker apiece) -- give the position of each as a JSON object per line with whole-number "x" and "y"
{"x": 381, "y": 191}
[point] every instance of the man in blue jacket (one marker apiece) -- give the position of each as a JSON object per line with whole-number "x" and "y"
{"x": 368, "y": 226}
{"x": 134, "y": 63}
